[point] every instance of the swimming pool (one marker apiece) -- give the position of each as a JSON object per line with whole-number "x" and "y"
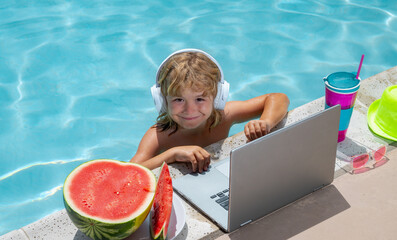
{"x": 75, "y": 75}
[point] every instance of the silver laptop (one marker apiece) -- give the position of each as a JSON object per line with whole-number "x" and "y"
{"x": 267, "y": 173}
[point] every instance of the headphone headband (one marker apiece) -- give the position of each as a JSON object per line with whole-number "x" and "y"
{"x": 188, "y": 50}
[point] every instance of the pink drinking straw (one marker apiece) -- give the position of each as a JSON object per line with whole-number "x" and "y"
{"x": 359, "y": 67}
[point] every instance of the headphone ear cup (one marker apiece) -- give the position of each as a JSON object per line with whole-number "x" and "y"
{"x": 221, "y": 97}
{"x": 158, "y": 98}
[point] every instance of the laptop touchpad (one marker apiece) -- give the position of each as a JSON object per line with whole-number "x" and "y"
{"x": 224, "y": 168}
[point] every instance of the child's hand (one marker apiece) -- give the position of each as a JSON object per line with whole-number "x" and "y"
{"x": 256, "y": 128}
{"x": 197, "y": 156}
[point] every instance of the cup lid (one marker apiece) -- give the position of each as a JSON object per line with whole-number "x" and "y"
{"x": 342, "y": 82}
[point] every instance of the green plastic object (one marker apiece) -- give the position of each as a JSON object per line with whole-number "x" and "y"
{"x": 382, "y": 114}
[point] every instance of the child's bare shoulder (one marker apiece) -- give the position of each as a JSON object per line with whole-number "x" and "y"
{"x": 154, "y": 132}
{"x": 162, "y": 138}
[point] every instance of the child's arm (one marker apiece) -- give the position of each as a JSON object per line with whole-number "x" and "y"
{"x": 271, "y": 108}
{"x": 150, "y": 145}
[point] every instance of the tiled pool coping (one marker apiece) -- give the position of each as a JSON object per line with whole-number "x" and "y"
{"x": 59, "y": 226}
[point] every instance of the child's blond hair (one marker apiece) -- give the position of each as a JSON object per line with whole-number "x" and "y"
{"x": 191, "y": 70}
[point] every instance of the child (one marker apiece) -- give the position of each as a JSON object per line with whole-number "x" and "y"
{"x": 190, "y": 94}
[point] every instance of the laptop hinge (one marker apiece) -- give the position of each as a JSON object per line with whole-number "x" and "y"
{"x": 245, "y": 223}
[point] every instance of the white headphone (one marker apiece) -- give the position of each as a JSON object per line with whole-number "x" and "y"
{"x": 223, "y": 86}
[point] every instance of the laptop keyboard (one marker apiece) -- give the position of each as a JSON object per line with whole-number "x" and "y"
{"x": 222, "y": 198}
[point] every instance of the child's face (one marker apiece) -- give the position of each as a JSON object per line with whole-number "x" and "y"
{"x": 191, "y": 109}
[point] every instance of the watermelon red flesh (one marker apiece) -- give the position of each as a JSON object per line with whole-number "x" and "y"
{"x": 162, "y": 205}
{"x": 108, "y": 198}
{"x": 104, "y": 190}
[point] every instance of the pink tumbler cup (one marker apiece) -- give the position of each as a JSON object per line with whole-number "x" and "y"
{"x": 341, "y": 88}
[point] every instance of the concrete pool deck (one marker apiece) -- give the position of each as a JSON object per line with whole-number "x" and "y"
{"x": 354, "y": 206}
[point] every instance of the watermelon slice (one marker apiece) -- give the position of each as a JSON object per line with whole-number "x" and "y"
{"x": 162, "y": 205}
{"x": 109, "y": 199}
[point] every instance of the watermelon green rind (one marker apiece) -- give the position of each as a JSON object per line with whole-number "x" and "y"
{"x": 162, "y": 235}
{"x": 100, "y": 230}
{"x": 97, "y": 228}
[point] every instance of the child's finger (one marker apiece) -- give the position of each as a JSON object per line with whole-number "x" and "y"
{"x": 200, "y": 160}
{"x": 247, "y": 132}
{"x": 262, "y": 129}
{"x": 252, "y": 130}
{"x": 207, "y": 164}
{"x": 258, "y": 130}
{"x": 207, "y": 159}
{"x": 265, "y": 128}
{"x": 194, "y": 164}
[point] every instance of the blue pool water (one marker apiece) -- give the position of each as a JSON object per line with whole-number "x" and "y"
{"x": 75, "y": 75}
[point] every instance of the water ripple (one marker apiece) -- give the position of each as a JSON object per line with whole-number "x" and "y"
{"x": 16, "y": 171}
{"x": 42, "y": 197}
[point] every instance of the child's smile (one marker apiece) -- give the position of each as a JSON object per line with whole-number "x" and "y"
{"x": 191, "y": 109}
